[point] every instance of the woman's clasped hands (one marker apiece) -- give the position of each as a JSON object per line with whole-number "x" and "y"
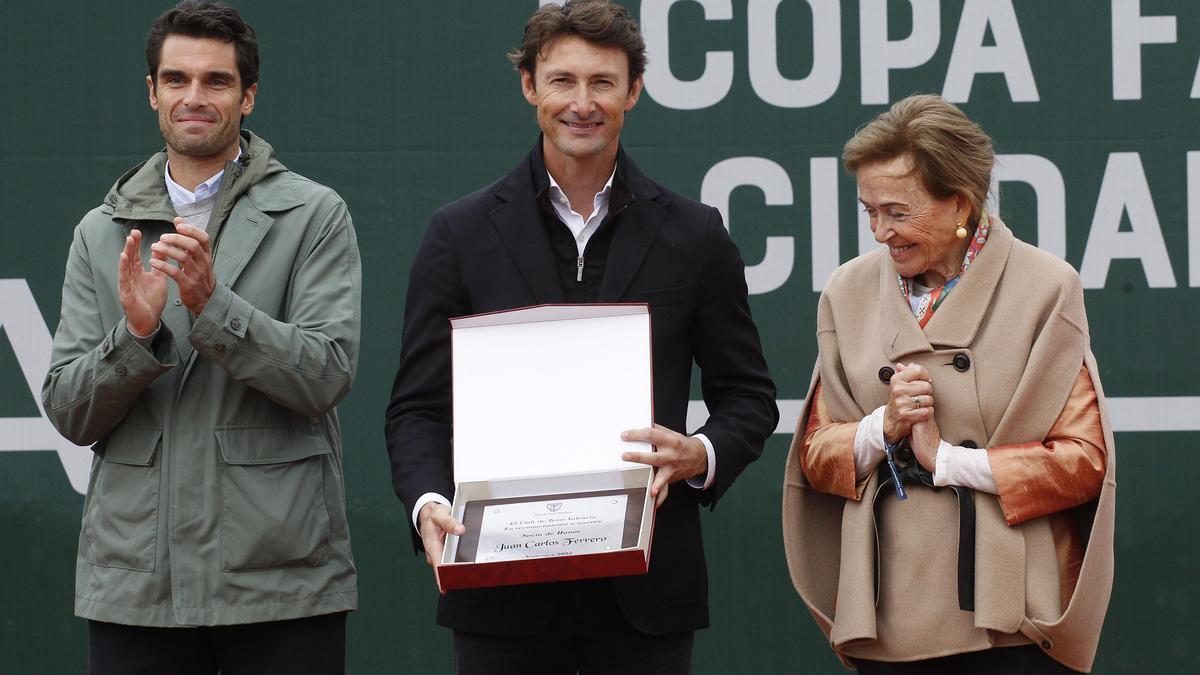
{"x": 910, "y": 412}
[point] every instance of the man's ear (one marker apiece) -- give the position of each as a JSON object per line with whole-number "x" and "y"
{"x": 529, "y": 87}
{"x": 635, "y": 91}
{"x": 153, "y": 94}
{"x": 248, "y": 95}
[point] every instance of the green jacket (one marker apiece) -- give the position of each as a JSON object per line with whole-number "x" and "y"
{"x": 216, "y": 493}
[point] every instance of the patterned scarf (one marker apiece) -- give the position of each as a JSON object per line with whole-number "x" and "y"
{"x": 930, "y": 303}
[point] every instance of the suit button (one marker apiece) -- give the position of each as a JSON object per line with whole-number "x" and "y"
{"x": 885, "y": 374}
{"x": 178, "y": 302}
{"x": 968, "y": 444}
{"x": 220, "y": 348}
{"x": 962, "y": 363}
{"x": 236, "y": 324}
{"x": 1046, "y": 644}
{"x": 121, "y": 369}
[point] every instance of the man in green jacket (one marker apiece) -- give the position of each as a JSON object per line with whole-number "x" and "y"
{"x": 214, "y": 532}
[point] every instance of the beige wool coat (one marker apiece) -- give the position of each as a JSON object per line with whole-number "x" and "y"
{"x": 1018, "y": 315}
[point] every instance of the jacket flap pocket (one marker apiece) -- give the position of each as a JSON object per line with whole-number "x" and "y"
{"x": 130, "y": 444}
{"x": 269, "y": 444}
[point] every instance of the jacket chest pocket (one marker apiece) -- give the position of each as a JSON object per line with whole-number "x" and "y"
{"x": 120, "y": 522}
{"x": 273, "y": 511}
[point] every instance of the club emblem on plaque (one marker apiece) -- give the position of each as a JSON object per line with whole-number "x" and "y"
{"x": 553, "y": 506}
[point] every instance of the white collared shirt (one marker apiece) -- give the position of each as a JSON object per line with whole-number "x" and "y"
{"x": 180, "y": 195}
{"x": 582, "y": 229}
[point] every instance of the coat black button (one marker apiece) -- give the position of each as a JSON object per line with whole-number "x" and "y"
{"x": 1046, "y": 644}
{"x": 121, "y": 369}
{"x": 220, "y": 348}
{"x": 886, "y": 373}
{"x": 968, "y": 444}
{"x": 962, "y": 363}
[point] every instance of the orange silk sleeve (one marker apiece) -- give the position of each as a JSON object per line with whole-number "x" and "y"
{"x": 827, "y": 454}
{"x": 1064, "y": 470}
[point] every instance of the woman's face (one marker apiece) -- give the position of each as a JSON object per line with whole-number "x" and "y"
{"x": 918, "y": 228}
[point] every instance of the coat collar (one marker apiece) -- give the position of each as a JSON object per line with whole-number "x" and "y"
{"x": 141, "y": 193}
{"x": 958, "y": 320}
{"x": 637, "y": 200}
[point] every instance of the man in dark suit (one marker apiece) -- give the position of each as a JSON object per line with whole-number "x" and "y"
{"x": 576, "y": 221}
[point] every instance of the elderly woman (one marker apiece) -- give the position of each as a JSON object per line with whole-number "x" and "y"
{"x": 948, "y": 499}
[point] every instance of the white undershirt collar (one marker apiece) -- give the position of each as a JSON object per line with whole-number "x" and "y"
{"x": 580, "y": 228}
{"x": 180, "y": 195}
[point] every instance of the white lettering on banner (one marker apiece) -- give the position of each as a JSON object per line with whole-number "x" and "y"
{"x": 1193, "y": 216}
{"x": 879, "y": 55}
{"x": 821, "y": 82}
{"x": 1124, "y": 190}
{"x": 776, "y": 187}
{"x": 823, "y": 195}
{"x": 661, "y": 83}
{"x": 1047, "y": 183}
{"x": 1196, "y": 83}
{"x": 971, "y": 57}
{"x": 1038, "y": 172}
{"x": 1131, "y": 30}
{"x": 30, "y": 338}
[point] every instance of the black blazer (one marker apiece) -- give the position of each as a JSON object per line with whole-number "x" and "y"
{"x": 491, "y": 251}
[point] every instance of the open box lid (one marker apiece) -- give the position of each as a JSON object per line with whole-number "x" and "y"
{"x": 548, "y": 389}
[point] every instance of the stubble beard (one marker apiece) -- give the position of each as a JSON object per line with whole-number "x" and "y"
{"x": 208, "y": 145}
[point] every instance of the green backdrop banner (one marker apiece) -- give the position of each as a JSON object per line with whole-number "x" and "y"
{"x": 404, "y": 106}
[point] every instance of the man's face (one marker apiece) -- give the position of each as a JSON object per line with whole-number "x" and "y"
{"x": 582, "y": 92}
{"x": 199, "y": 96}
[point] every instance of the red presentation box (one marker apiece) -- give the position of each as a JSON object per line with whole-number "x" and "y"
{"x": 541, "y": 396}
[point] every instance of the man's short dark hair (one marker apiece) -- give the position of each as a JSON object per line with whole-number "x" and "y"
{"x": 601, "y": 22}
{"x": 204, "y": 19}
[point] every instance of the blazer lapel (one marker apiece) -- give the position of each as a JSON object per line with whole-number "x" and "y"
{"x": 631, "y": 243}
{"x": 518, "y": 222}
{"x": 640, "y": 222}
{"x": 242, "y": 232}
{"x": 958, "y": 319}
{"x": 904, "y": 335}
{"x": 240, "y": 238}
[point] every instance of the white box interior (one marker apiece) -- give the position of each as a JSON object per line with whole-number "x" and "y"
{"x": 548, "y": 390}
{"x": 541, "y": 395}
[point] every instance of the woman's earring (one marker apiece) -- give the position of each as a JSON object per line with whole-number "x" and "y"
{"x": 961, "y": 232}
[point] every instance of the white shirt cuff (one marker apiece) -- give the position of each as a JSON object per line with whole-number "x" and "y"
{"x": 868, "y": 444}
{"x": 694, "y": 481}
{"x": 425, "y": 499}
{"x": 968, "y": 467}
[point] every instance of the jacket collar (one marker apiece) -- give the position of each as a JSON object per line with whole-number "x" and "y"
{"x": 141, "y": 193}
{"x": 958, "y": 320}
{"x": 635, "y": 199}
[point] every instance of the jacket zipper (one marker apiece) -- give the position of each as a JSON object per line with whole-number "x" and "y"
{"x": 579, "y": 261}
